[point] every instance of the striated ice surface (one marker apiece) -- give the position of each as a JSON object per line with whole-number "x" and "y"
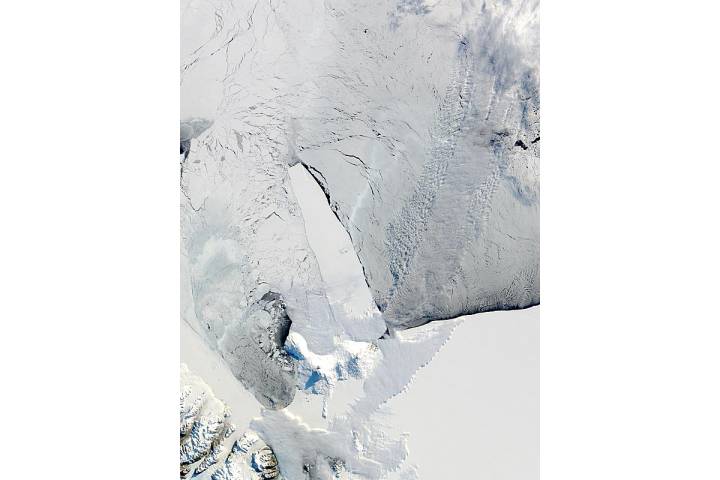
{"x": 419, "y": 119}
{"x": 351, "y": 172}
{"x": 425, "y": 136}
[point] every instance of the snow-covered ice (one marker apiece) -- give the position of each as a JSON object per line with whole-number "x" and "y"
{"x": 354, "y": 177}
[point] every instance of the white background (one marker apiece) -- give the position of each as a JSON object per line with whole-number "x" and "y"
{"x": 89, "y": 240}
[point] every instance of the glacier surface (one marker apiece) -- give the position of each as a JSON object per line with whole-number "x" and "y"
{"x": 419, "y": 120}
{"x": 412, "y": 126}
